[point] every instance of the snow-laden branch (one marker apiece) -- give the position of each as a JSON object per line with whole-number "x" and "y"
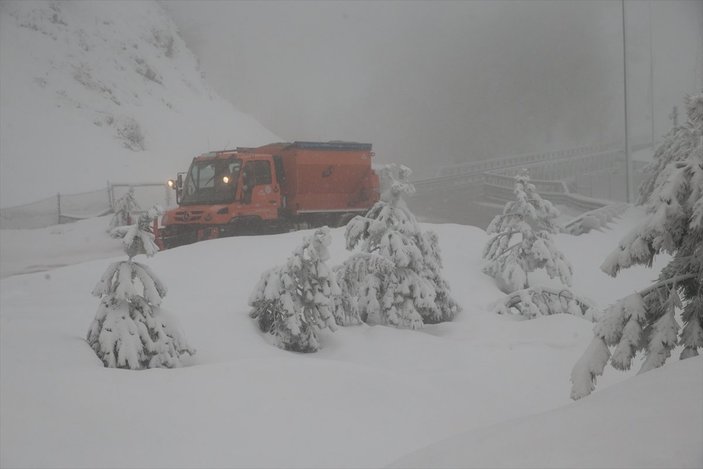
{"x": 544, "y": 301}
{"x": 669, "y": 281}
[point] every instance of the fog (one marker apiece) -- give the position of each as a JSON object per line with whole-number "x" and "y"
{"x": 431, "y": 83}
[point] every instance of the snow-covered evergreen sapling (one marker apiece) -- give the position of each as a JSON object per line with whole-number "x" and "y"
{"x": 130, "y": 330}
{"x": 395, "y": 279}
{"x": 646, "y": 321}
{"x": 522, "y": 242}
{"x": 292, "y": 303}
{"x": 123, "y": 208}
{"x": 676, "y": 146}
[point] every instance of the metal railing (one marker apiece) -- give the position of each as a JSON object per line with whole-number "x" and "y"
{"x": 499, "y": 188}
{"x": 471, "y": 173}
{"x": 577, "y": 168}
{"x": 517, "y": 160}
{"x": 67, "y": 208}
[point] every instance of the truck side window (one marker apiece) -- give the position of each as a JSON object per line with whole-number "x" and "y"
{"x": 262, "y": 172}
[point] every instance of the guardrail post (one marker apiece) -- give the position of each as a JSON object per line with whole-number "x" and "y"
{"x": 58, "y": 206}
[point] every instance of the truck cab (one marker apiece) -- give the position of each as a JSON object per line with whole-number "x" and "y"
{"x": 223, "y": 193}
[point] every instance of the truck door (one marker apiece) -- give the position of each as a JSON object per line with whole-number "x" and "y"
{"x": 261, "y": 194}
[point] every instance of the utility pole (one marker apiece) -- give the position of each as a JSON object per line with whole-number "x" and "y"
{"x": 627, "y": 141}
{"x": 651, "y": 69}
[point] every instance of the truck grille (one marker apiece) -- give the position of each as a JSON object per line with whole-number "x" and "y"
{"x": 189, "y": 217}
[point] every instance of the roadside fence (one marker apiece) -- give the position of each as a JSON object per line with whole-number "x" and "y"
{"x": 67, "y": 208}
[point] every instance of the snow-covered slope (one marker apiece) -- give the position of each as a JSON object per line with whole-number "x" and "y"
{"x": 651, "y": 421}
{"x": 369, "y": 397}
{"x": 98, "y": 90}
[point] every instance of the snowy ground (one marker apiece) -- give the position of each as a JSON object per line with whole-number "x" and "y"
{"x": 482, "y": 391}
{"x": 91, "y": 91}
{"x": 25, "y": 251}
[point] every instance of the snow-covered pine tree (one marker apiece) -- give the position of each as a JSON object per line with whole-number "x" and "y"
{"x": 292, "y": 303}
{"x": 395, "y": 279}
{"x": 674, "y": 225}
{"x": 676, "y": 145}
{"x": 124, "y": 206}
{"x": 130, "y": 329}
{"x": 522, "y": 240}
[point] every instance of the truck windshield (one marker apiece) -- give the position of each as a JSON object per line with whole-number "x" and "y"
{"x": 211, "y": 182}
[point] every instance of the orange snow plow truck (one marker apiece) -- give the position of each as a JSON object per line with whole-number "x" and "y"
{"x": 268, "y": 189}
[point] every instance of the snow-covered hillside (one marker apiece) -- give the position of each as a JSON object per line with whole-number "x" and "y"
{"x": 96, "y": 90}
{"x": 371, "y": 396}
{"x": 651, "y": 421}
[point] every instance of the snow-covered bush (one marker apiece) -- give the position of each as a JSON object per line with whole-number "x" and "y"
{"x": 522, "y": 240}
{"x": 130, "y": 132}
{"x": 163, "y": 39}
{"x": 396, "y": 278}
{"x": 130, "y": 330}
{"x": 544, "y": 301}
{"x": 123, "y": 208}
{"x": 646, "y": 321}
{"x": 293, "y": 302}
{"x": 145, "y": 70}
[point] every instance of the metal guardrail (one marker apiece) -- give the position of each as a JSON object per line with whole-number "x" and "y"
{"x": 500, "y": 193}
{"x": 498, "y": 187}
{"x": 541, "y": 185}
{"x": 516, "y": 160}
{"x": 530, "y": 159}
{"x": 478, "y": 169}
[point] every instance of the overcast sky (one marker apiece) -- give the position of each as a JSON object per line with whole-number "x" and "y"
{"x": 440, "y": 82}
